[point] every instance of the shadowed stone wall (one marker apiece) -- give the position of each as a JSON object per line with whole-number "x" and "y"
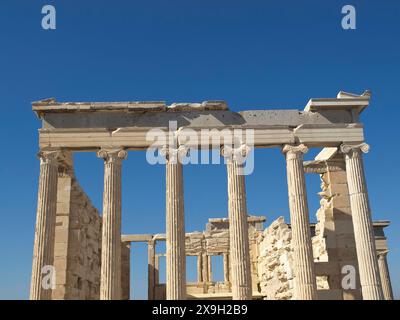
{"x": 334, "y": 233}
{"x": 125, "y": 270}
{"x": 77, "y": 241}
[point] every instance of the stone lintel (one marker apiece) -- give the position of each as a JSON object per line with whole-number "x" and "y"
{"x": 249, "y": 219}
{"x": 90, "y": 139}
{"x": 344, "y": 101}
{"x": 154, "y": 237}
{"x": 137, "y": 238}
{"x": 381, "y": 223}
{"x": 380, "y": 237}
{"x": 337, "y": 104}
{"x": 322, "y": 166}
{"x": 326, "y": 154}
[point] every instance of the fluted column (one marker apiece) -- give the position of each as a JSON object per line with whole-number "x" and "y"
{"x": 204, "y": 266}
{"x": 238, "y": 229}
{"x": 305, "y": 287}
{"x": 175, "y": 225}
{"x": 226, "y": 267}
{"x": 209, "y": 268}
{"x": 199, "y": 269}
{"x": 43, "y": 250}
{"x": 110, "y": 283}
{"x": 362, "y": 222}
{"x": 151, "y": 269}
{"x": 385, "y": 276}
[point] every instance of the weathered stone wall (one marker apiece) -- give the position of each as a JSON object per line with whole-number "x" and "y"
{"x": 77, "y": 242}
{"x": 334, "y": 241}
{"x": 254, "y": 234}
{"x": 215, "y": 241}
{"x": 275, "y": 261}
{"x": 125, "y": 270}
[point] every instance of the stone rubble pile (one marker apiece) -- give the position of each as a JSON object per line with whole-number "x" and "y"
{"x": 275, "y": 261}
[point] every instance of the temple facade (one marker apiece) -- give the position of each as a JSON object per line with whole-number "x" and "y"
{"x": 342, "y": 256}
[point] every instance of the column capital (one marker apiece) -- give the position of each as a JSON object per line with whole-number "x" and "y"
{"x": 112, "y": 155}
{"x": 237, "y": 154}
{"x": 49, "y": 156}
{"x": 174, "y": 153}
{"x": 347, "y": 148}
{"x": 382, "y": 254}
{"x": 294, "y": 150}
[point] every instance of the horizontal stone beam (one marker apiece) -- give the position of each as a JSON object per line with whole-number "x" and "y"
{"x": 157, "y": 237}
{"x": 359, "y": 103}
{"x": 57, "y": 118}
{"x": 140, "y": 138}
{"x": 320, "y": 167}
{"x": 136, "y": 238}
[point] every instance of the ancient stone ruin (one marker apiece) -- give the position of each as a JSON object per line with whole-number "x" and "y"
{"x": 342, "y": 256}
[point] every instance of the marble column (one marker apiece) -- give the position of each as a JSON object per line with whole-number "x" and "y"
{"x": 204, "y": 266}
{"x": 385, "y": 276}
{"x": 43, "y": 250}
{"x": 110, "y": 284}
{"x": 175, "y": 224}
{"x": 238, "y": 228}
{"x": 156, "y": 271}
{"x": 305, "y": 287}
{"x": 151, "y": 251}
{"x": 362, "y": 222}
{"x": 226, "y": 267}
{"x": 199, "y": 268}
{"x": 209, "y": 268}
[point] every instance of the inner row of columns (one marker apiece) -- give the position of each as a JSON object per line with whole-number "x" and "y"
{"x": 305, "y": 281}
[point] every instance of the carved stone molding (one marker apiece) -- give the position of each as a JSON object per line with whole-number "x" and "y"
{"x": 288, "y": 148}
{"x": 237, "y": 154}
{"x": 174, "y": 154}
{"x": 49, "y": 157}
{"x": 346, "y": 148}
{"x": 382, "y": 253}
{"x": 112, "y": 155}
{"x": 59, "y": 157}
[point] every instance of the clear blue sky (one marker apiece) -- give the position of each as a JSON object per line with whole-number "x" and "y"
{"x": 253, "y": 54}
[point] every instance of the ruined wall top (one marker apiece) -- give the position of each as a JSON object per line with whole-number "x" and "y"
{"x": 223, "y": 223}
{"x": 51, "y": 105}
